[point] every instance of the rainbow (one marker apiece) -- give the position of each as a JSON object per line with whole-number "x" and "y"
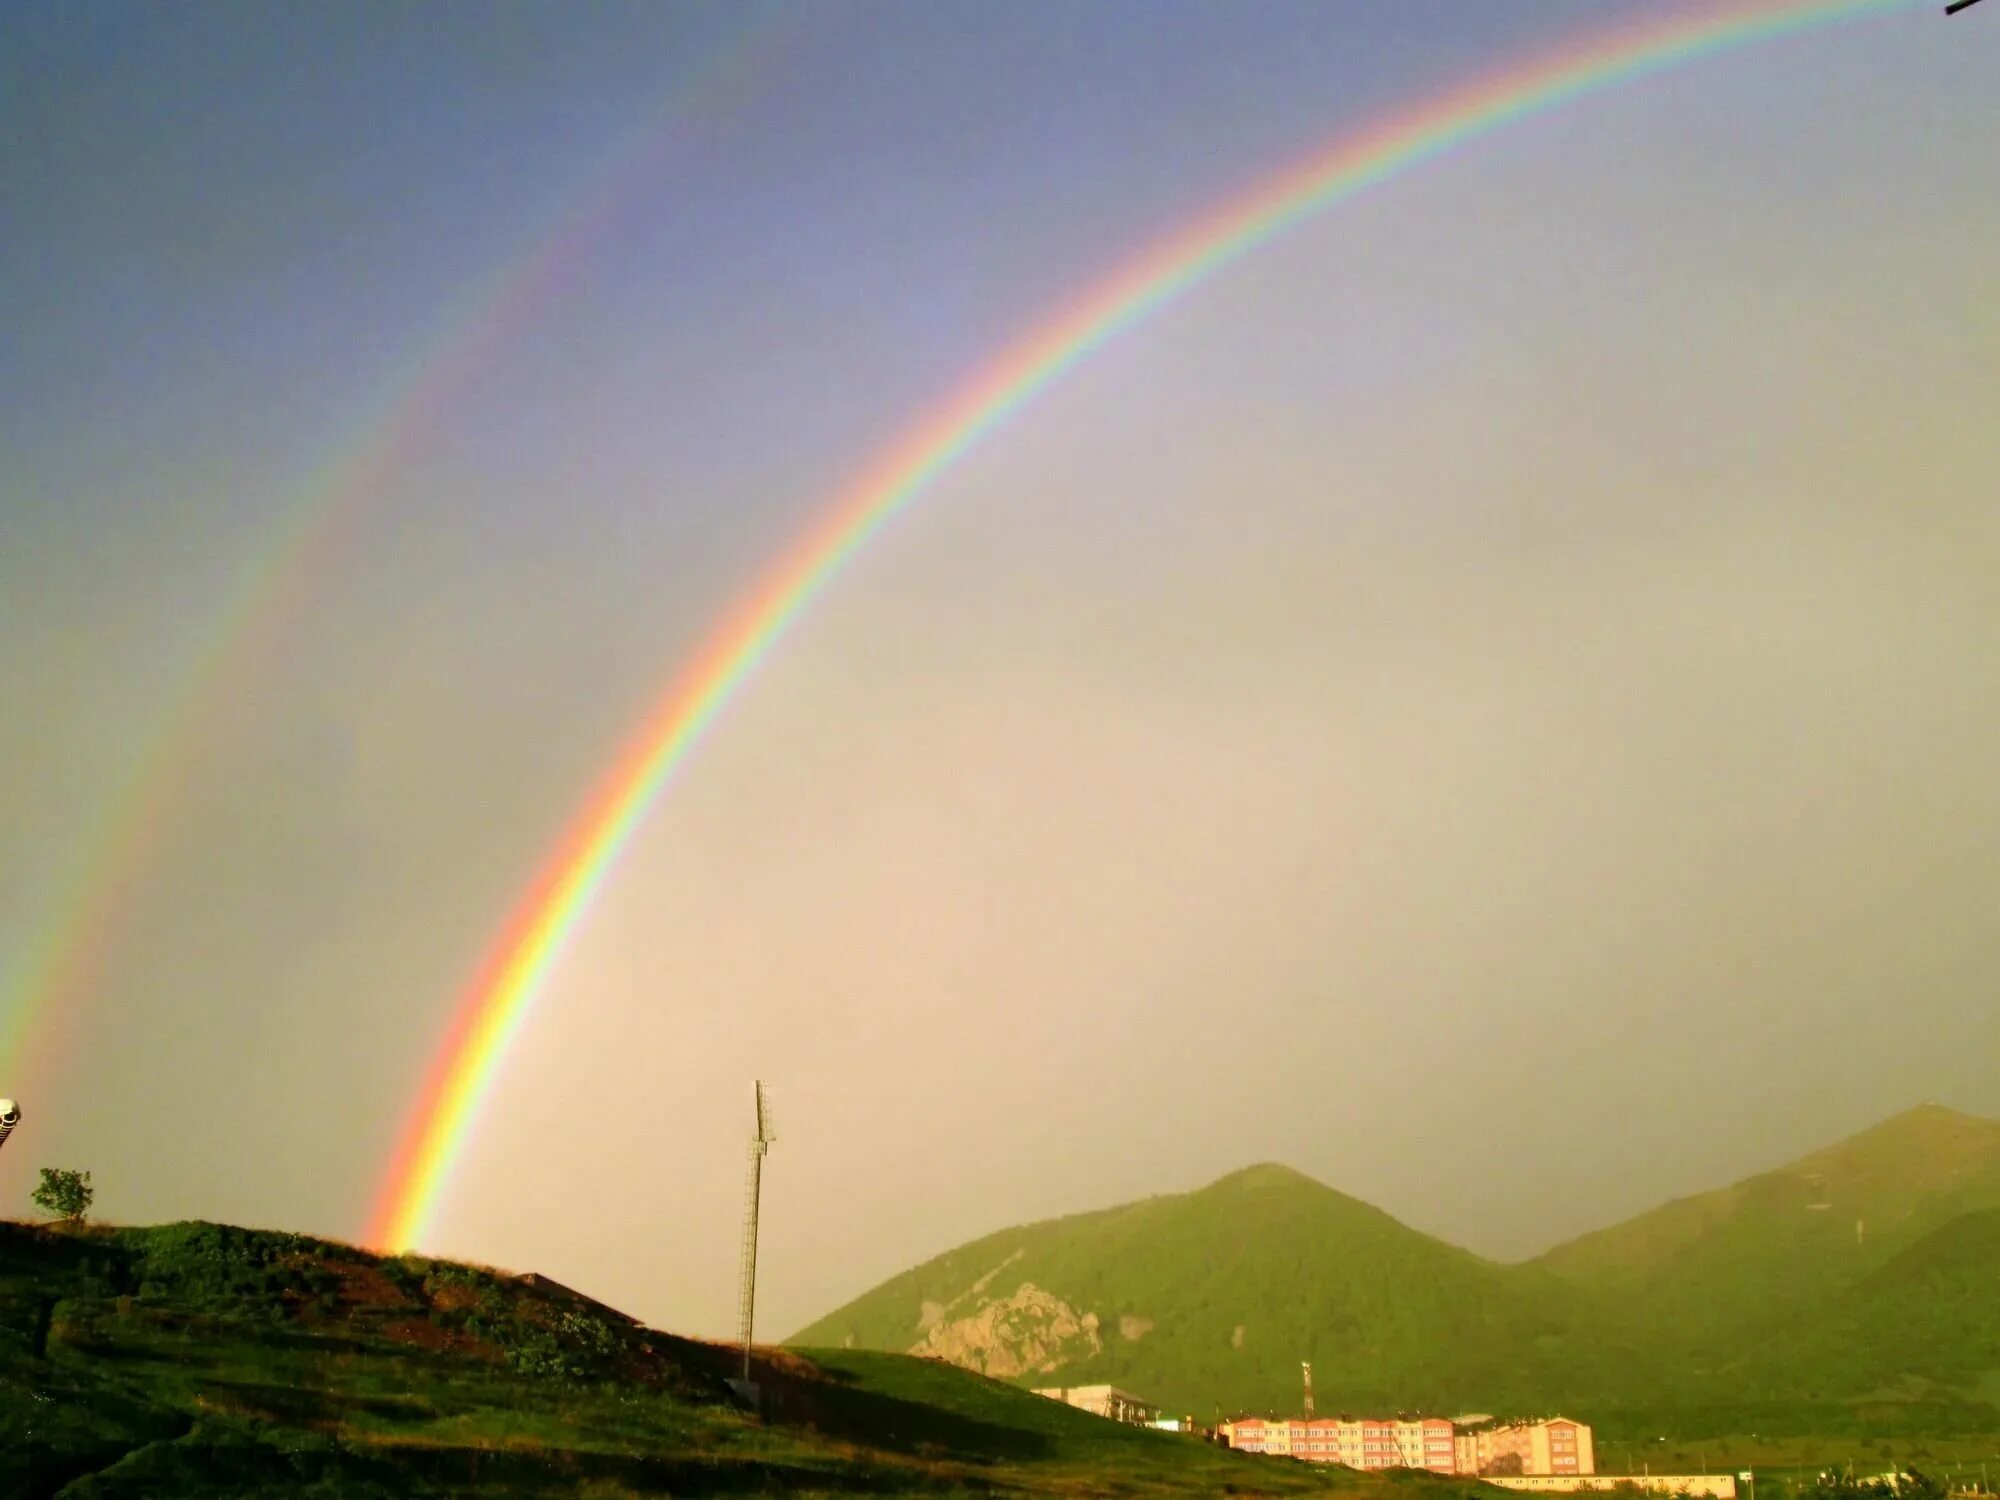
{"x": 505, "y": 987}
{"x": 71, "y": 939}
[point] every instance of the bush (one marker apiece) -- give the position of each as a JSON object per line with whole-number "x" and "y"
{"x": 218, "y": 1264}
{"x": 64, "y": 1195}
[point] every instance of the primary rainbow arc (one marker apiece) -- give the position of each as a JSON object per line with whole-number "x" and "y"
{"x": 495, "y": 1005}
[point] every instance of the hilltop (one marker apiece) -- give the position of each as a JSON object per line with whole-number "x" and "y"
{"x": 1758, "y": 1304}
{"x": 199, "y": 1359}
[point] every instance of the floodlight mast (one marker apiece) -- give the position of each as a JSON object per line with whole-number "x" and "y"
{"x": 759, "y": 1144}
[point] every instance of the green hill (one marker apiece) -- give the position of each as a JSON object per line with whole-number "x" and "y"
{"x": 196, "y": 1359}
{"x": 1214, "y": 1297}
{"x": 1922, "y": 1326}
{"x": 1758, "y": 1308}
{"x": 1764, "y": 1250}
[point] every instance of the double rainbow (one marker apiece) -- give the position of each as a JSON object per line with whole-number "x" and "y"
{"x": 506, "y": 986}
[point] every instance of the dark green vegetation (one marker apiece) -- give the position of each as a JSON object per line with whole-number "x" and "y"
{"x": 1854, "y": 1292}
{"x": 199, "y": 1359}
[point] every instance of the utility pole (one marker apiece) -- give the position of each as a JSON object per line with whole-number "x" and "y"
{"x": 760, "y": 1143}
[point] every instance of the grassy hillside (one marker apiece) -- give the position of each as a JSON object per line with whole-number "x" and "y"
{"x": 1756, "y": 1253}
{"x": 1923, "y": 1326}
{"x": 1754, "y": 1309}
{"x": 194, "y": 1358}
{"x": 1216, "y": 1296}
{"x": 199, "y": 1359}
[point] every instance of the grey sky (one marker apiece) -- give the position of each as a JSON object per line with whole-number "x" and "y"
{"x": 1489, "y": 702}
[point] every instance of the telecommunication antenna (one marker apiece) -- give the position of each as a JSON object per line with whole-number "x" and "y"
{"x": 759, "y": 1144}
{"x": 10, "y": 1116}
{"x": 1306, "y": 1366}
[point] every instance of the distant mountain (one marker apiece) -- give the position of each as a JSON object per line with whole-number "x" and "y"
{"x": 1760, "y": 1303}
{"x": 1768, "y": 1247}
{"x": 1922, "y": 1328}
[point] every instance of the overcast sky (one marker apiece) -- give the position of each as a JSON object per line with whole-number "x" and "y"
{"x": 1489, "y": 701}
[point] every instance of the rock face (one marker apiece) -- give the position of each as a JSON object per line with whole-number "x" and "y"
{"x": 1031, "y": 1332}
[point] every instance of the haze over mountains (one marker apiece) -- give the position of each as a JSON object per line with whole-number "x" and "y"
{"x": 1853, "y": 1287}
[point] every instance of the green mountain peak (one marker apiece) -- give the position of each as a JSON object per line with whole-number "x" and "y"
{"x": 1793, "y": 1280}
{"x": 1264, "y": 1175}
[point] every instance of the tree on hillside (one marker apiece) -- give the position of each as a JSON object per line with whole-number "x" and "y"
{"x": 64, "y": 1195}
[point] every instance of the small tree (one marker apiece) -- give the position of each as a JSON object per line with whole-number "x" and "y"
{"x": 64, "y": 1195}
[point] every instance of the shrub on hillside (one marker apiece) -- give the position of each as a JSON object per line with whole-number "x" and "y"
{"x": 64, "y": 1195}
{"x": 217, "y": 1262}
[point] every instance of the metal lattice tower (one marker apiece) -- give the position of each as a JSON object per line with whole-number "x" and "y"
{"x": 746, "y": 1312}
{"x": 1305, "y": 1365}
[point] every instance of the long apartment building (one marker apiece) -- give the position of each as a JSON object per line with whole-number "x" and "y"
{"x": 1358, "y": 1442}
{"x": 1437, "y": 1444}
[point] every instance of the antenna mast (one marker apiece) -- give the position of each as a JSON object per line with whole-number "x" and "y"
{"x": 759, "y": 1144}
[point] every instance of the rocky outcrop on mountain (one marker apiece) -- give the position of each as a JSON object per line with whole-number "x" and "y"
{"x": 1031, "y": 1332}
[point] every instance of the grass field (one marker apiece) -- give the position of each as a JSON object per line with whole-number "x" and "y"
{"x": 199, "y": 1359}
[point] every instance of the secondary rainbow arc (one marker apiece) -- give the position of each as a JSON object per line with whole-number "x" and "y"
{"x": 68, "y": 941}
{"x": 497, "y": 1002}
